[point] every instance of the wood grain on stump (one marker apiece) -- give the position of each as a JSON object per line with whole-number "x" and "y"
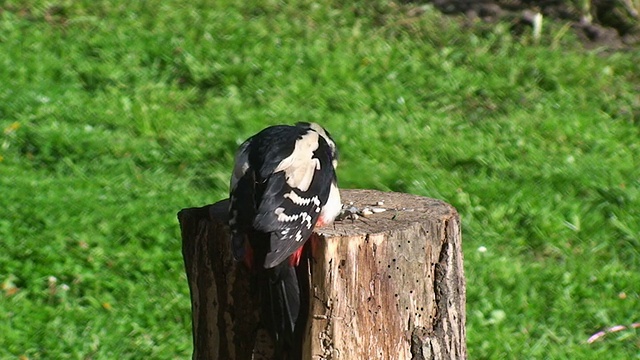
{"x": 386, "y": 286}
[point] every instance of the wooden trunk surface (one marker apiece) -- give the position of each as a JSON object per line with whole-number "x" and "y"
{"x": 385, "y": 286}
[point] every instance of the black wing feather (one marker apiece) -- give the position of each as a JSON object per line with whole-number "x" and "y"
{"x": 289, "y": 213}
{"x": 286, "y": 212}
{"x": 288, "y": 236}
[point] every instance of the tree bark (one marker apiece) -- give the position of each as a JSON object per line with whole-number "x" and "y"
{"x": 386, "y": 286}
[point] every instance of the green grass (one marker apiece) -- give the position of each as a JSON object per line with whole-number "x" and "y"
{"x": 115, "y": 115}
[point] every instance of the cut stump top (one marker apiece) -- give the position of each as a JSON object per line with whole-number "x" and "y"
{"x": 400, "y": 211}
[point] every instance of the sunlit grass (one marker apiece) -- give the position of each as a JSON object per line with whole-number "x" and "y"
{"x": 114, "y": 116}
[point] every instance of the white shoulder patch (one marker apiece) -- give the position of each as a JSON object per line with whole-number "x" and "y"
{"x": 300, "y": 166}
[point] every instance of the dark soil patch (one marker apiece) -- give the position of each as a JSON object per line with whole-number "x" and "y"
{"x": 613, "y": 24}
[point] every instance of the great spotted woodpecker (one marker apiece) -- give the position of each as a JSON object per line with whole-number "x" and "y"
{"x": 283, "y": 186}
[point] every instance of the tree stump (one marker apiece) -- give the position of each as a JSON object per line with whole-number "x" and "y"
{"x": 385, "y": 286}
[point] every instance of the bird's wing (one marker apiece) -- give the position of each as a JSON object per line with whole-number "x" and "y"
{"x": 241, "y": 199}
{"x": 294, "y": 195}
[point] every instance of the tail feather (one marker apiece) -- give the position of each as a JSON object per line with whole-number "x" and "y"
{"x": 284, "y": 306}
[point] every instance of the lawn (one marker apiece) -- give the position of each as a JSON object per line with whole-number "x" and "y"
{"x": 115, "y": 115}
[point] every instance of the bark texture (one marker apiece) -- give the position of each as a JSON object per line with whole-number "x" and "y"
{"x": 386, "y": 286}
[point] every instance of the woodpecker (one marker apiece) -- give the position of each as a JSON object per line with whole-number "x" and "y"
{"x": 283, "y": 186}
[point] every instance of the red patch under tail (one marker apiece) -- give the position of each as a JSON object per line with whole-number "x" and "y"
{"x": 294, "y": 259}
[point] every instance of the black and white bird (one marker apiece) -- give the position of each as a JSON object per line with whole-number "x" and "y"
{"x": 283, "y": 186}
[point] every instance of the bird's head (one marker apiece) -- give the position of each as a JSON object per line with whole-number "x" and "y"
{"x": 326, "y": 136}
